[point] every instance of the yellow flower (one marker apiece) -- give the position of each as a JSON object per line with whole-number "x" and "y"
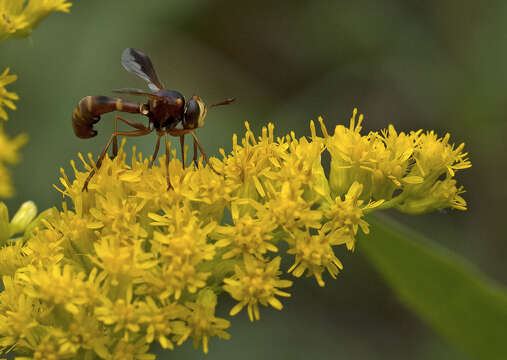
{"x": 12, "y": 258}
{"x": 19, "y": 313}
{"x": 352, "y": 156}
{"x": 23, "y": 217}
{"x": 161, "y": 322}
{"x": 435, "y": 156}
{"x": 19, "y": 17}
{"x": 393, "y": 159}
{"x": 302, "y": 168}
{"x": 401, "y": 169}
{"x": 254, "y": 283}
{"x": 5, "y": 230}
{"x": 84, "y": 334}
{"x": 442, "y": 194}
{"x": 8, "y": 154}
{"x": 315, "y": 254}
{"x": 48, "y": 348}
{"x": 435, "y": 162}
{"x": 202, "y": 322}
{"x": 6, "y": 97}
{"x": 9, "y": 148}
{"x": 344, "y": 217}
{"x": 248, "y": 236}
{"x": 252, "y": 162}
{"x": 140, "y": 263}
{"x": 123, "y": 314}
{"x": 137, "y": 350}
{"x": 181, "y": 248}
{"x": 12, "y": 254}
{"x": 118, "y": 260}
{"x": 45, "y": 248}
{"x": 58, "y": 285}
{"x": 289, "y": 209}
{"x": 21, "y": 220}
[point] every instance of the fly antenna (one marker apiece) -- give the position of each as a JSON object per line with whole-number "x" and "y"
{"x": 225, "y": 102}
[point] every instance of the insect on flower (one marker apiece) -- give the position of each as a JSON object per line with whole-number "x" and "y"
{"x": 165, "y": 110}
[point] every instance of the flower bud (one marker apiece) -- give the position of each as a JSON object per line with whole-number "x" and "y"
{"x": 24, "y": 216}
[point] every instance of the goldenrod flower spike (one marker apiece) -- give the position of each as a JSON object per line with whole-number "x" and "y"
{"x": 140, "y": 264}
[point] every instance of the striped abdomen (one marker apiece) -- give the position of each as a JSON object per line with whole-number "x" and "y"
{"x": 88, "y": 111}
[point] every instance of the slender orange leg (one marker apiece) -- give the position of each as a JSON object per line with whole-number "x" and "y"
{"x": 128, "y": 122}
{"x": 182, "y": 144}
{"x": 167, "y": 159}
{"x": 195, "y": 153}
{"x": 200, "y": 147}
{"x": 180, "y": 132}
{"x": 135, "y": 125}
{"x": 139, "y": 132}
{"x": 155, "y": 152}
{"x": 115, "y": 141}
{"x": 203, "y": 152}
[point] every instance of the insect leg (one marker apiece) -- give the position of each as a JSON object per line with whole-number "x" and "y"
{"x": 195, "y": 153}
{"x": 167, "y": 158}
{"x": 133, "y": 124}
{"x": 104, "y": 152}
{"x": 115, "y": 141}
{"x": 182, "y": 144}
{"x": 155, "y": 152}
{"x": 202, "y": 152}
{"x": 128, "y": 122}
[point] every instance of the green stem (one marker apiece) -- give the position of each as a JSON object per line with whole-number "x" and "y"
{"x": 388, "y": 204}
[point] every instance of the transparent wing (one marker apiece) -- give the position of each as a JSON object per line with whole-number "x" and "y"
{"x": 139, "y": 63}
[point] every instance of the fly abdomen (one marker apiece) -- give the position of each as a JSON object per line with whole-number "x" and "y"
{"x": 88, "y": 111}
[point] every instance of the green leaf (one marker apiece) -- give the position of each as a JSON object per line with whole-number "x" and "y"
{"x": 443, "y": 289}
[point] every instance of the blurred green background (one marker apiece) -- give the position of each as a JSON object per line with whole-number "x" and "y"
{"x": 415, "y": 64}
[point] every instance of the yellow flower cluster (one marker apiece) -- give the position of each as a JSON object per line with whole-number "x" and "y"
{"x": 19, "y": 17}
{"x": 8, "y": 147}
{"x": 412, "y": 172}
{"x": 131, "y": 262}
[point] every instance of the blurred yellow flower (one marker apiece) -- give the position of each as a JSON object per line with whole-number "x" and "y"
{"x": 6, "y": 97}
{"x": 8, "y": 147}
{"x": 19, "y": 17}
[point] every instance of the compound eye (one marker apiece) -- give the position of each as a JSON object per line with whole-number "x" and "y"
{"x": 192, "y": 114}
